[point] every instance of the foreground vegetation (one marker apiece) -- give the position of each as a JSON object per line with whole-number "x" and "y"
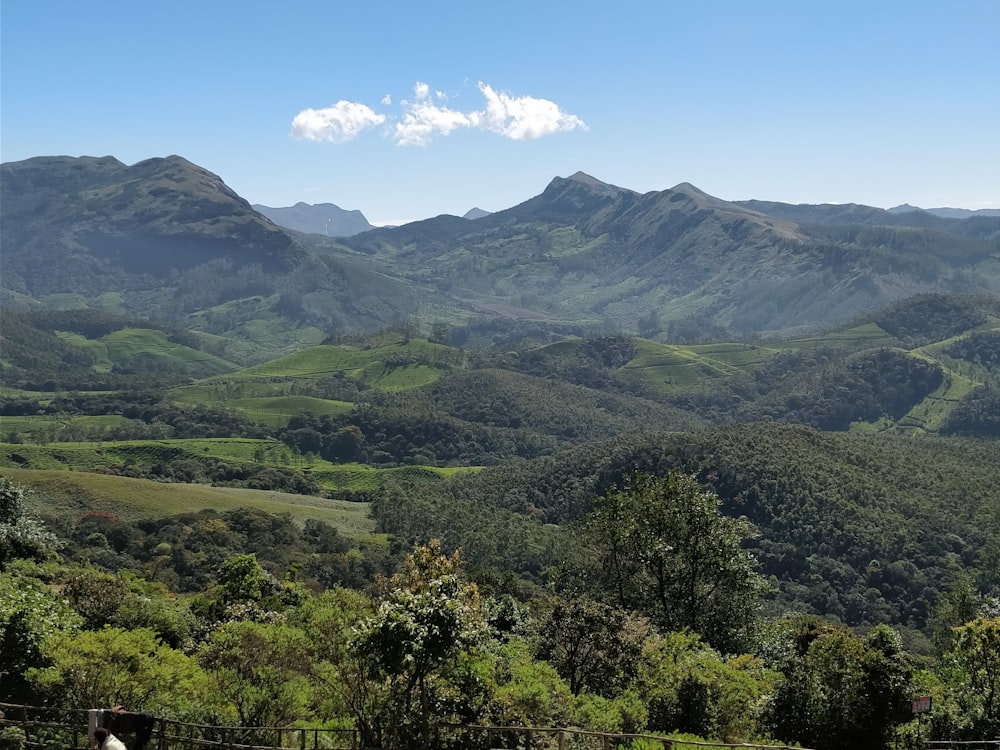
{"x": 245, "y": 618}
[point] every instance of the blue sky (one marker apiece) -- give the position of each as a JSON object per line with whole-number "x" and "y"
{"x": 406, "y": 110}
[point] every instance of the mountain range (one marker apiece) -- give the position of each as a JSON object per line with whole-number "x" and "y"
{"x": 944, "y": 211}
{"x": 328, "y": 219}
{"x": 167, "y": 238}
{"x": 323, "y": 218}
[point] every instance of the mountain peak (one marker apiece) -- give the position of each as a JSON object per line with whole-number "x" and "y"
{"x": 592, "y": 182}
{"x": 688, "y": 189}
{"x": 582, "y": 179}
{"x": 903, "y": 208}
{"x": 700, "y": 198}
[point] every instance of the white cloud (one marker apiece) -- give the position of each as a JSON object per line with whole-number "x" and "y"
{"x": 341, "y": 122}
{"x": 516, "y": 117}
{"x": 523, "y": 117}
{"x": 423, "y": 120}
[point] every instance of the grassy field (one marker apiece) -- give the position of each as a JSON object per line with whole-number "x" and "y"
{"x": 931, "y": 414}
{"x": 95, "y": 457}
{"x": 361, "y": 477}
{"x": 369, "y": 365}
{"x": 73, "y": 492}
{"x": 152, "y": 345}
{"x": 276, "y": 411}
{"x": 266, "y": 393}
{"x": 92, "y": 456}
{"x": 669, "y": 368}
{"x": 56, "y": 428}
{"x": 860, "y": 337}
{"x": 217, "y": 391}
{"x": 97, "y": 349}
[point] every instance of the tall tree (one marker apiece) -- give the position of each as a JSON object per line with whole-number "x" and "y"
{"x": 973, "y": 671}
{"x": 661, "y": 547}
{"x": 594, "y": 647}
{"x": 839, "y": 690}
{"x": 418, "y": 651}
{"x": 111, "y": 666}
{"x": 261, "y": 671}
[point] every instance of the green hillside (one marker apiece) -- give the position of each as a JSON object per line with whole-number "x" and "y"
{"x": 160, "y": 458}
{"x": 77, "y": 492}
{"x": 671, "y": 369}
{"x": 375, "y": 366}
{"x": 861, "y": 528}
{"x": 74, "y": 348}
{"x": 276, "y": 411}
{"x": 148, "y": 349}
{"x": 321, "y": 380}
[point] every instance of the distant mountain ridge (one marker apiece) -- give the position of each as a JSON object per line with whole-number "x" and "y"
{"x": 584, "y": 249}
{"x": 945, "y": 212}
{"x": 322, "y": 218}
{"x": 68, "y": 220}
{"x": 980, "y": 223}
{"x": 169, "y": 239}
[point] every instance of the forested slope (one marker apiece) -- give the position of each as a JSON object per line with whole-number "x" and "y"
{"x": 861, "y": 528}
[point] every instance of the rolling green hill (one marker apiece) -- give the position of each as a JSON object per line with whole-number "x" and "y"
{"x": 854, "y": 525}
{"x": 89, "y": 348}
{"x": 77, "y": 492}
{"x": 862, "y": 528}
{"x": 322, "y": 380}
{"x": 672, "y": 369}
{"x": 398, "y": 365}
{"x": 236, "y": 462}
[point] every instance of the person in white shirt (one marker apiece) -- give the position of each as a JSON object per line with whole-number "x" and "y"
{"x": 104, "y": 740}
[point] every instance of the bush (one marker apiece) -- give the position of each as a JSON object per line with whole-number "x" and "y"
{"x": 12, "y": 738}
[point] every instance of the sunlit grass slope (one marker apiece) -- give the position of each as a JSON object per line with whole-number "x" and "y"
{"x": 670, "y": 368}
{"x": 153, "y": 347}
{"x": 96, "y": 457}
{"x": 419, "y": 361}
{"x": 931, "y": 414}
{"x": 866, "y": 336}
{"x": 66, "y": 492}
{"x": 362, "y": 477}
{"x": 271, "y": 393}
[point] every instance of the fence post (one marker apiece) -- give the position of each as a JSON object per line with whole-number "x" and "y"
{"x": 562, "y": 739}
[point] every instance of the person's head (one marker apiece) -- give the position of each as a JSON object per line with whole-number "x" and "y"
{"x": 101, "y": 734}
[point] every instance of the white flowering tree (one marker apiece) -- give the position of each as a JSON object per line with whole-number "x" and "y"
{"x": 421, "y": 652}
{"x": 21, "y": 535}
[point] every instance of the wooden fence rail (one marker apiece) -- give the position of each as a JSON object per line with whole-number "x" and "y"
{"x": 66, "y": 729}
